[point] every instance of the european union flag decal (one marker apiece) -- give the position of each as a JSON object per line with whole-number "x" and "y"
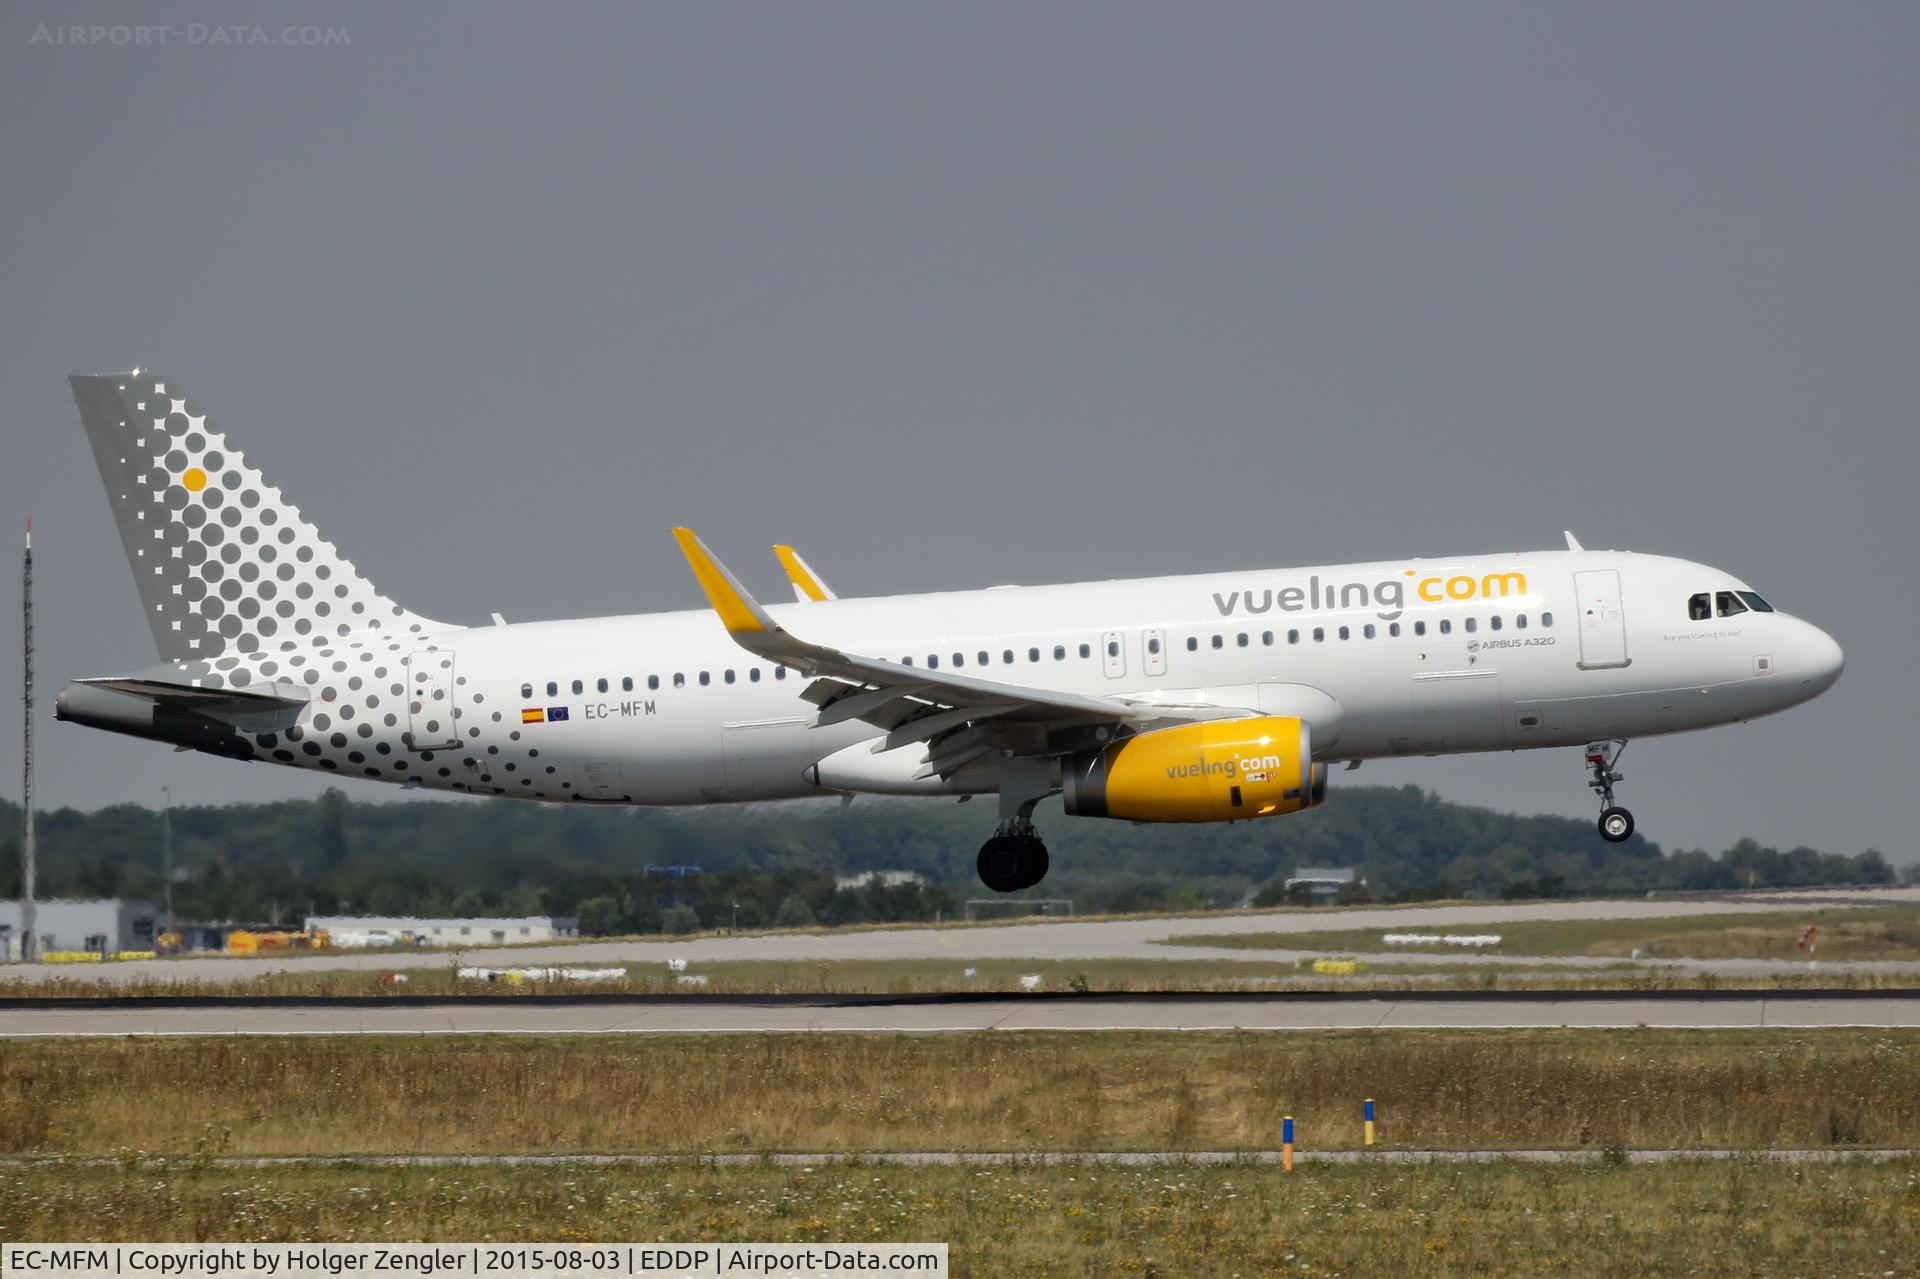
{"x": 555, "y": 714}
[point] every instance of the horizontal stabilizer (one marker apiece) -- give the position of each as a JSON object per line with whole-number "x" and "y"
{"x": 198, "y": 698}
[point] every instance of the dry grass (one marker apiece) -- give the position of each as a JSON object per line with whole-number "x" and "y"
{"x": 1037, "y": 1090}
{"x": 1845, "y": 933}
{"x": 1729, "y": 1219}
{"x": 944, "y": 976}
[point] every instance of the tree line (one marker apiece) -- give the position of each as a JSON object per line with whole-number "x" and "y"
{"x": 275, "y": 863}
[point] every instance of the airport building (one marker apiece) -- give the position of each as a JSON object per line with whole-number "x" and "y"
{"x": 407, "y": 930}
{"x": 1325, "y": 883}
{"x": 101, "y": 925}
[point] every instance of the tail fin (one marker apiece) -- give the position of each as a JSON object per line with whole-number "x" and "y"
{"x": 222, "y": 561}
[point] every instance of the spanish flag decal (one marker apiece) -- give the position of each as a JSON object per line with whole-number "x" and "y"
{"x": 533, "y": 715}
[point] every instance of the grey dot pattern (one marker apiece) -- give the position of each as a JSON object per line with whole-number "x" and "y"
{"x": 224, "y": 562}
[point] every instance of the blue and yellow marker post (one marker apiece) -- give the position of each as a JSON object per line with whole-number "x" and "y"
{"x": 1286, "y": 1144}
{"x": 1369, "y": 1122}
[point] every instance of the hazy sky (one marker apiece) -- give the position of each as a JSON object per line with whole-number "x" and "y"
{"x": 980, "y": 293}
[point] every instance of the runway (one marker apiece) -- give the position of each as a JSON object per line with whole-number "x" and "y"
{"x": 705, "y": 1015}
{"x": 1138, "y": 937}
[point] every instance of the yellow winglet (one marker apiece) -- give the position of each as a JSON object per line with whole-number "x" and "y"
{"x": 738, "y": 611}
{"x": 801, "y": 574}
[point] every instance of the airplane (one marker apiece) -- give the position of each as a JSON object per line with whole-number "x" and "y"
{"x": 1210, "y": 698}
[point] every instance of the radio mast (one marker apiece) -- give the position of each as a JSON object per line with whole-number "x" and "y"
{"x": 29, "y": 921}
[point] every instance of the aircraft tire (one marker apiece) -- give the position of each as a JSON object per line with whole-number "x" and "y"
{"x": 1616, "y": 825}
{"x": 1003, "y": 864}
{"x": 1033, "y": 861}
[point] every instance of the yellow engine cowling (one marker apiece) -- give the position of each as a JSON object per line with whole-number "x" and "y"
{"x": 1217, "y": 771}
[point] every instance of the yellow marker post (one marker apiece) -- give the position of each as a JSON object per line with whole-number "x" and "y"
{"x": 1286, "y": 1144}
{"x": 1369, "y": 1126}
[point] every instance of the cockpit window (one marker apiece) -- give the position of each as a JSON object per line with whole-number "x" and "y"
{"x": 1728, "y": 604}
{"x": 1754, "y": 602}
{"x": 1699, "y": 607}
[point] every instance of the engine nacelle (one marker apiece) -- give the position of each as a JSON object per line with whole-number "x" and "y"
{"x": 1222, "y": 770}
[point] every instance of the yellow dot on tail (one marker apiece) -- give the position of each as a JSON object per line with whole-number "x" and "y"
{"x": 194, "y": 480}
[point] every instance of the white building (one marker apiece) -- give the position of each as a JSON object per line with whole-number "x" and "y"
{"x": 884, "y": 878}
{"x": 407, "y": 930}
{"x": 101, "y": 925}
{"x": 1325, "y": 882}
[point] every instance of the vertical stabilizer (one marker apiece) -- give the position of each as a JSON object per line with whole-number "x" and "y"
{"x": 222, "y": 561}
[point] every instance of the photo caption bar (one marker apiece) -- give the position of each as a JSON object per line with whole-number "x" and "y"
{"x": 468, "y": 1260}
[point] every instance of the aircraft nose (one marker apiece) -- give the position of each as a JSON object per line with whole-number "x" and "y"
{"x": 1821, "y": 659}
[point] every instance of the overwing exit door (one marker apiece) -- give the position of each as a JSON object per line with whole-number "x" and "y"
{"x": 1603, "y": 621}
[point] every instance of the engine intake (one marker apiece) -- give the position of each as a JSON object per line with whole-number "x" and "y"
{"x": 1216, "y": 771}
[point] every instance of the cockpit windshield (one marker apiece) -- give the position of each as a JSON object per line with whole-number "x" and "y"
{"x": 1706, "y": 605}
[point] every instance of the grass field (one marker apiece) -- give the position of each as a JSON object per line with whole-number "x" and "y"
{"x": 1727, "y": 1219}
{"x": 1854, "y": 933}
{"x": 1033, "y": 1091}
{"x": 945, "y": 976}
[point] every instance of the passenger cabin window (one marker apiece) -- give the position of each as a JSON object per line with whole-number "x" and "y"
{"x": 679, "y": 680}
{"x": 1086, "y": 650}
{"x": 705, "y": 679}
{"x": 959, "y": 659}
{"x": 779, "y": 672}
{"x": 526, "y": 691}
{"x": 653, "y": 681}
{"x": 1473, "y": 624}
{"x": 728, "y": 676}
{"x": 753, "y": 675}
{"x": 1393, "y": 629}
{"x": 1033, "y": 655}
{"x": 1059, "y": 652}
{"x": 578, "y": 687}
{"x": 1446, "y": 626}
{"x": 1546, "y": 619}
{"x": 1266, "y": 638}
{"x": 1419, "y": 628}
{"x": 1345, "y": 633}
{"x": 1727, "y": 604}
{"x": 1367, "y": 630}
{"x": 1293, "y": 637}
{"x": 601, "y": 684}
{"x": 1006, "y": 656}
{"x": 626, "y": 683}
{"x": 1319, "y": 634}
{"x": 553, "y": 689}
{"x": 1219, "y": 641}
{"x": 1699, "y": 607}
{"x": 985, "y": 657}
{"x": 1242, "y": 639}
{"x": 1755, "y": 603}
{"x": 1193, "y": 643}
{"x": 1493, "y": 623}
{"x": 933, "y": 661}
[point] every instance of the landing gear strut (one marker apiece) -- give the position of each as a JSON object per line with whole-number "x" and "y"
{"x": 1616, "y": 823}
{"x": 1015, "y": 858}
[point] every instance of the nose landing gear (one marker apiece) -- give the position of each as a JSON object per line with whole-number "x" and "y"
{"x": 1616, "y": 823}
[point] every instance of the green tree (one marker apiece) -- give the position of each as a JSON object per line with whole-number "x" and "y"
{"x": 793, "y": 913}
{"x": 599, "y": 917}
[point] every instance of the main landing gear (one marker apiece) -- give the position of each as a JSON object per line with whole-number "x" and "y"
{"x": 1616, "y": 823}
{"x": 1015, "y": 858}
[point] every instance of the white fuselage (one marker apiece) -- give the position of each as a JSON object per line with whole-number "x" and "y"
{"x": 1501, "y": 652}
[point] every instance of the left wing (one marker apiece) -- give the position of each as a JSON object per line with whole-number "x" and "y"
{"x": 959, "y": 717}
